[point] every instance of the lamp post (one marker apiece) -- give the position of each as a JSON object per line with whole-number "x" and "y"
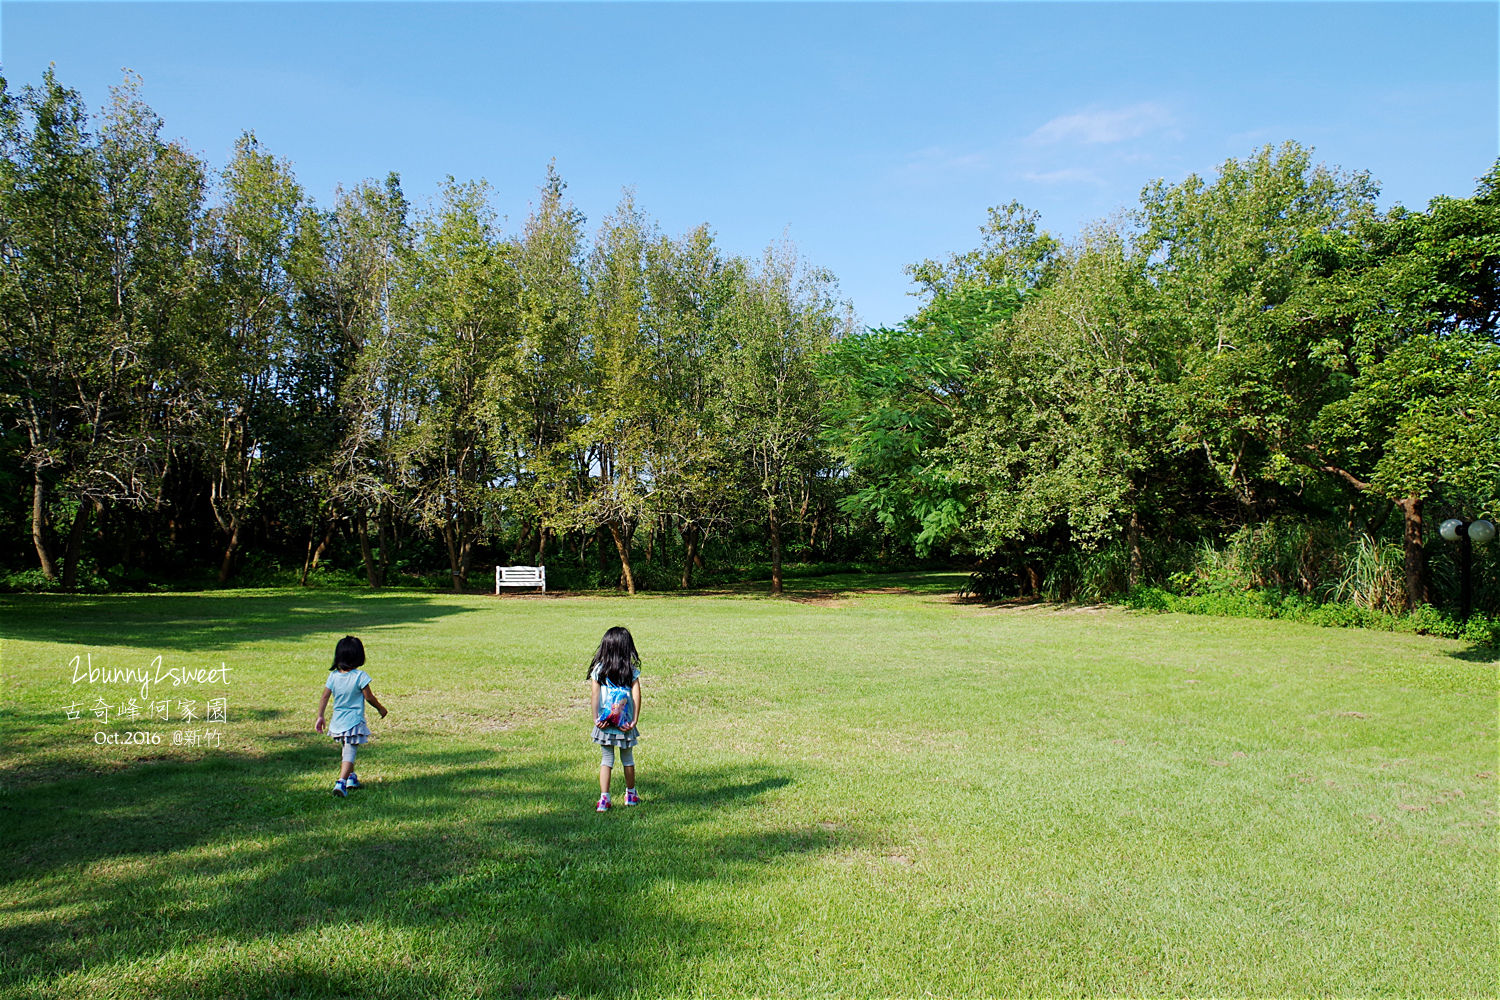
{"x": 1467, "y": 534}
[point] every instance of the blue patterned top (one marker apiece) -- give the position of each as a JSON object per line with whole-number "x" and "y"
{"x": 348, "y": 687}
{"x": 615, "y": 705}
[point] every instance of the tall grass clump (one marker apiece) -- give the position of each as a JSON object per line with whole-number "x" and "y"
{"x": 1315, "y": 572}
{"x": 1291, "y": 557}
{"x": 1373, "y": 576}
{"x": 1088, "y": 577}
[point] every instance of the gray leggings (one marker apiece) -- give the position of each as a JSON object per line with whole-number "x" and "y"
{"x": 607, "y": 756}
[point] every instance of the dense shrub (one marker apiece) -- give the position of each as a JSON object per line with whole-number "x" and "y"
{"x": 1425, "y": 620}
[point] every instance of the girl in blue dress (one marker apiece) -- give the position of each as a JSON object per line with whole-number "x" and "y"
{"x": 349, "y": 687}
{"x": 615, "y": 699}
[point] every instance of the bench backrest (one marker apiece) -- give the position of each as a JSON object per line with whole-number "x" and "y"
{"x": 520, "y": 576}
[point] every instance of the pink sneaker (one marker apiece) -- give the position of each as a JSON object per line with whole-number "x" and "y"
{"x": 632, "y": 799}
{"x": 603, "y": 805}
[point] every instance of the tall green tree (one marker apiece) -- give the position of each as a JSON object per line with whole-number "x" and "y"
{"x": 1397, "y": 325}
{"x": 689, "y": 290}
{"x": 1325, "y": 339}
{"x": 249, "y": 340}
{"x": 1221, "y": 255}
{"x": 459, "y": 312}
{"x": 348, "y": 276}
{"x": 155, "y": 220}
{"x": 551, "y": 377}
{"x": 612, "y": 441}
{"x": 896, "y": 397}
{"x": 1071, "y": 431}
{"x": 97, "y": 245}
{"x": 55, "y": 289}
{"x": 782, "y": 320}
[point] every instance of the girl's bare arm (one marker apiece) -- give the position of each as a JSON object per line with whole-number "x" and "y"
{"x": 635, "y": 696}
{"x": 370, "y": 697}
{"x": 593, "y": 699}
{"x": 322, "y": 706}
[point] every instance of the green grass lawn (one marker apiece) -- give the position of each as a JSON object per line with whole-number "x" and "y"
{"x": 866, "y": 789}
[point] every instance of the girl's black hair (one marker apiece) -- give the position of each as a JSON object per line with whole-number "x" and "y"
{"x": 616, "y": 657}
{"x": 348, "y": 654}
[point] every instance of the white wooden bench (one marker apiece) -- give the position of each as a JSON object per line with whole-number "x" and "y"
{"x": 520, "y": 576}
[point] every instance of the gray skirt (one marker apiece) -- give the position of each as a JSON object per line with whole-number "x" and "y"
{"x": 615, "y": 738}
{"x": 359, "y": 734}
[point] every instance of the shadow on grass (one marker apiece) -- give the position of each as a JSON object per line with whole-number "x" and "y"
{"x": 1478, "y": 653}
{"x": 835, "y": 585}
{"x": 227, "y": 876}
{"x": 209, "y": 621}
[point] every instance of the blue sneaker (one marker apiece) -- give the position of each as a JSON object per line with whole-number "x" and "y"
{"x": 338, "y": 789}
{"x": 603, "y": 805}
{"x": 352, "y": 782}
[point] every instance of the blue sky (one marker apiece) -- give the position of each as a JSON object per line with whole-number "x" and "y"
{"x": 874, "y": 135}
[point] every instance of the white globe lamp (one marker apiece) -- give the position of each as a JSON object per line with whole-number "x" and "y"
{"x": 1467, "y": 534}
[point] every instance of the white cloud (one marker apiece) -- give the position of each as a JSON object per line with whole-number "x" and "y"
{"x": 1068, "y": 175}
{"x": 936, "y": 159}
{"x": 939, "y": 164}
{"x": 1250, "y": 138}
{"x": 1104, "y": 125}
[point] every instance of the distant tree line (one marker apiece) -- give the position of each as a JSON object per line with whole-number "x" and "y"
{"x": 197, "y": 366}
{"x": 1250, "y": 380}
{"x": 207, "y": 370}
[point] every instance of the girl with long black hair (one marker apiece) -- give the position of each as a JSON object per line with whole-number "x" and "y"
{"x": 615, "y": 700}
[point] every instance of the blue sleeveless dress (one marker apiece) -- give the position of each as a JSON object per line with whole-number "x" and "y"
{"x": 616, "y": 704}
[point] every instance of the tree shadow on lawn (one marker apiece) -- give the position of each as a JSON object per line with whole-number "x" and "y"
{"x": 482, "y": 878}
{"x": 210, "y": 621}
{"x": 1477, "y": 653}
{"x": 835, "y": 585}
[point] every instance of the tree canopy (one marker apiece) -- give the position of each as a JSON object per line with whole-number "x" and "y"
{"x": 205, "y": 368}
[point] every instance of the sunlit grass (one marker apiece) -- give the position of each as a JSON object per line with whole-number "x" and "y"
{"x": 847, "y": 792}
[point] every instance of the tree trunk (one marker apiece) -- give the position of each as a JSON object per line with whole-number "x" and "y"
{"x": 622, "y": 544}
{"x": 1374, "y": 524}
{"x": 451, "y": 544}
{"x": 311, "y": 562}
{"x": 74, "y": 549}
{"x": 689, "y": 538}
{"x": 372, "y": 573}
{"x": 1133, "y": 545}
{"x": 541, "y": 545}
{"x": 465, "y": 549}
{"x": 312, "y": 533}
{"x": 1416, "y": 556}
{"x": 229, "y": 549}
{"x": 39, "y": 525}
{"x": 524, "y": 543}
{"x": 385, "y": 537}
{"x": 802, "y": 512}
{"x": 128, "y": 536}
{"x": 775, "y": 552}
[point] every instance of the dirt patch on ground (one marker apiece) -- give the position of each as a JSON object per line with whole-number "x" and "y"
{"x": 1024, "y": 605}
{"x": 820, "y": 599}
{"x": 838, "y": 598}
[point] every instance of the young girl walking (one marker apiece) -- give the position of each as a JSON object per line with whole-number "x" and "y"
{"x": 615, "y": 696}
{"x": 349, "y": 687}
